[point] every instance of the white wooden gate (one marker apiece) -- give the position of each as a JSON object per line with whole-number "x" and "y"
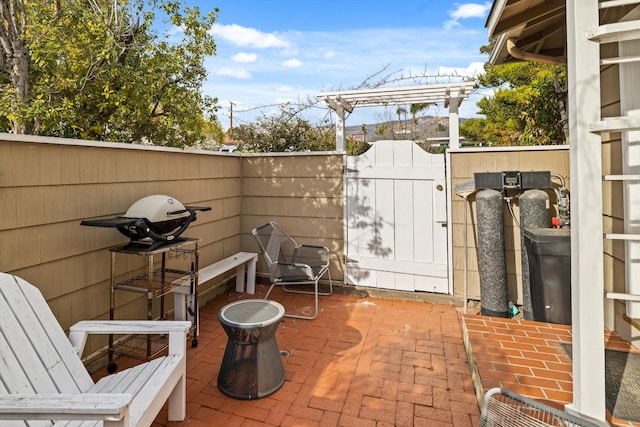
{"x": 397, "y": 218}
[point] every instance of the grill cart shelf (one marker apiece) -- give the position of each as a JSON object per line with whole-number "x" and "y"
{"x": 171, "y": 268}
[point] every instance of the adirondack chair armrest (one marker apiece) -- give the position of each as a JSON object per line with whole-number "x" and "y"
{"x": 176, "y": 330}
{"x": 113, "y": 407}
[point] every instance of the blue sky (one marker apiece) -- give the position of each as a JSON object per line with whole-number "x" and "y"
{"x": 271, "y": 52}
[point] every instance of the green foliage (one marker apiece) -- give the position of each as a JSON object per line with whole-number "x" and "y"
{"x": 525, "y": 109}
{"x": 382, "y": 129}
{"x": 96, "y": 71}
{"x": 285, "y": 132}
{"x": 213, "y": 131}
{"x": 355, "y": 148}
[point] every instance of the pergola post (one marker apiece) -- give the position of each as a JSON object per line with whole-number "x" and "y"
{"x": 587, "y": 272}
{"x": 340, "y": 147}
{"x": 454, "y": 122}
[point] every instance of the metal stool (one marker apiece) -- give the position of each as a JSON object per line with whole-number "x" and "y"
{"x": 251, "y": 367}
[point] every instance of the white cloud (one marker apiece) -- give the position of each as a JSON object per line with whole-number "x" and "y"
{"x": 448, "y": 25}
{"x": 466, "y": 11}
{"x": 244, "y": 57}
{"x": 471, "y": 10}
{"x": 285, "y": 89}
{"x": 285, "y": 100}
{"x": 292, "y": 63}
{"x": 330, "y": 54}
{"x": 472, "y": 70}
{"x": 243, "y": 36}
{"x": 239, "y": 73}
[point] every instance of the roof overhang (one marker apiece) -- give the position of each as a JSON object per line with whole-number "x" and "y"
{"x": 535, "y": 28}
{"x": 348, "y": 100}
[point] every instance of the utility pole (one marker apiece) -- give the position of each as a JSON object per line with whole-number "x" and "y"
{"x": 230, "y": 116}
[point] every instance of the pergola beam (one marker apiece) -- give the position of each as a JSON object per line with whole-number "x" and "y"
{"x": 337, "y": 103}
{"x": 389, "y": 96}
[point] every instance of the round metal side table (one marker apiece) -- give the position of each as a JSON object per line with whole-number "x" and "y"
{"x": 251, "y": 367}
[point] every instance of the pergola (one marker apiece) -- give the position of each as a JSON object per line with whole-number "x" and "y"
{"x": 452, "y": 94}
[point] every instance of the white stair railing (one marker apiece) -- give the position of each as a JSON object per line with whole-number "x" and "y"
{"x": 627, "y": 30}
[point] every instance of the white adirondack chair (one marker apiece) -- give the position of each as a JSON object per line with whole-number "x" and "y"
{"x": 44, "y": 383}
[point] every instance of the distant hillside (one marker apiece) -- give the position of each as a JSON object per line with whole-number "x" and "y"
{"x": 425, "y": 127}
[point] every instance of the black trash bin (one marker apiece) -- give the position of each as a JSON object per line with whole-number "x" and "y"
{"x": 549, "y": 252}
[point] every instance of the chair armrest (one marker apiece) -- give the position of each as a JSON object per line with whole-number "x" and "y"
{"x": 176, "y": 330}
{"x": 293, "y": 271}
{"x": 312, "y": 255}
{"x": 131, "y": 326}
{"x": 89, "y": 406}
{"x": 292, "y": 264}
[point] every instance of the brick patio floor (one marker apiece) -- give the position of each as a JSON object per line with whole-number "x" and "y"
{"x": 371, "y": 361}
{"x": 526, "y": 357}
{"x": 362, "y": 362}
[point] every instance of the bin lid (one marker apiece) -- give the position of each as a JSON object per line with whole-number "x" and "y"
{"x": 548, "y": 235}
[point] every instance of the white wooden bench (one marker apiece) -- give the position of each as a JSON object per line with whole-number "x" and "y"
{"x": 42, "y": 377}
{"x": 242, "y": 261}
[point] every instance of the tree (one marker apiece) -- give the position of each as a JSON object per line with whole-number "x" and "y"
{"x": 416, "y": 108}
{"x": 15, "y": 61}
{"x": 400, "y": 111}
{"x": 526, "y": 109}
{"x": 97, "y": 69}
{"x": 284, "y": 132}
{"x": 382, "y": 129}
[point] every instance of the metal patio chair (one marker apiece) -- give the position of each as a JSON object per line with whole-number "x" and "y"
{"x": 291, "y": 263}
{"x": 504, "y": 408}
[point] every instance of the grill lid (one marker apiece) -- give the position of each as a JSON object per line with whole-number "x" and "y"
{"x": 152, "y": 220}
{"x": 157, "y": 208}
